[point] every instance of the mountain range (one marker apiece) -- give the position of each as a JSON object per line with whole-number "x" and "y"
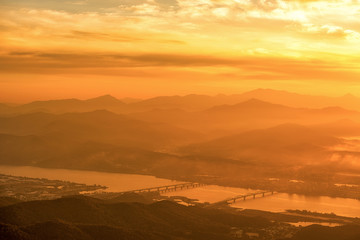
{"x": 192, "y": 102}
{"x": 195, "y": 138}
{"x": 287, "y": 144}
{"x": 248, "y": 115}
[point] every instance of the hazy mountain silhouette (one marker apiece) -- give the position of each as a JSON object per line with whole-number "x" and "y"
{"x": 99, "y": 140}
{"x": 69, "y": 105}
{"x": 128, "y": 100}
{"x": 340, "y": 128}
{"x": 256, "y": 111}
{"x": 214, "y": 116}
{"x": 24, "y": 150}
{"x": 43, "y": 152}
{"x": 25, "y": 124}
{"x": 248, "y": 115}
{"x": 253, "y": 108}
{"x": 105, "y": 141}
{"x": 100, "y": 125}
{"x": 301, "y": 100}
{"x": 221, "y": 140}
{"x": 192, "y": 102}
{"x": 4, "y": 107}
{"x": 288, "y": 143}
{"x": 104, "y": 101}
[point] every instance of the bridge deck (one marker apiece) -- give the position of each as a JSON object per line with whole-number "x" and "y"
{"x": 182, "y": 186}
{"x": 168, "y": 188}
{"x": 243, "y": 196}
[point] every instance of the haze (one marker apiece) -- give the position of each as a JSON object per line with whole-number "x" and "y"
{"x": 179, "y": 119}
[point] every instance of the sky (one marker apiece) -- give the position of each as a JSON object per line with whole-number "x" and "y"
{"x": 143, "y": 48}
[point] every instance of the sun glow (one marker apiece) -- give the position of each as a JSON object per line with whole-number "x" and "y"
{"x": 213, "y": 43}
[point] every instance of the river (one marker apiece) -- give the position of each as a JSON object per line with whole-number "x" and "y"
{"x": 279, "y": 202}
{"x": 322, "y": 204}
{"x": 117, "y": 182}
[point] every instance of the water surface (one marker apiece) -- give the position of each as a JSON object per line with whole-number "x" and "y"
{"x": 282, "y": 201}
{"x": 116, "y": 182}
{"x": 211, "y": 193}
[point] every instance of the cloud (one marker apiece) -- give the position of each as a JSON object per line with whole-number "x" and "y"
{"x": 245, "y": 67}
{"x": 102, "y": 36}
{"x": 258, "y": 36}
{"x": 329, "y": 31}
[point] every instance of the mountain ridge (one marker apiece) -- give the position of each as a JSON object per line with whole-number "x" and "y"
{"x": 190, "y": 102}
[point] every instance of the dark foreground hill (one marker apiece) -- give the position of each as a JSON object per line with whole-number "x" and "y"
{"x": 89, "y": 218}
{"x": 6, "y": 201}
{"x": 85, "y": 218}
{"x": 318, "y": 232}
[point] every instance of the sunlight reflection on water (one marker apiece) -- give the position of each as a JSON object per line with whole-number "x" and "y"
{"x": 116, "y": 182}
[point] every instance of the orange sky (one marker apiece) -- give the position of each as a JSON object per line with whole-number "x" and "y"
{"x": 143, "y": 48}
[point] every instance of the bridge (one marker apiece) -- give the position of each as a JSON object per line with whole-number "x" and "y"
{"x": 168, "y": 188}
{"x": 184, "y": 186}
{"x": 244, "y": 197}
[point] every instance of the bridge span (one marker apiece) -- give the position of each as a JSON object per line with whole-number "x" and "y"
{"x": 168, "y": 188}
{"x": 190, "y": 185}
{"x": 244, "y": 197}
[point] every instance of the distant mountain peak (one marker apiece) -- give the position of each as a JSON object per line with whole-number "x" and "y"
{"x": 104, "y": 99}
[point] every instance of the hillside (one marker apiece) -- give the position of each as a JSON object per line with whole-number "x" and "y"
{"x": 86, "y": 218}
{"x": 341, "y": 128}
{"x": 38, "y": 151}
{"x": 285, "y": 144}
{"x": 347, "y": 101}
{"x": 73, "y": 216}
{"x": 69, "y": 105}
{"x": 101, "y": 126}
{"x": 318, "y": 232}
{"x": 248, "y": 115}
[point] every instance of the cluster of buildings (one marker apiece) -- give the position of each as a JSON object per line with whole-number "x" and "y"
{"x": 277, "y": 231}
